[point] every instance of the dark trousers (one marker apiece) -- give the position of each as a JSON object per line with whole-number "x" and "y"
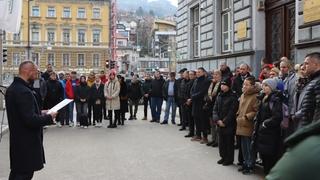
{"x": 97, "y": 113}
{"x": 133, "y": 103}
{"x": 146, "y": 100}
{"x": 123, "y": 117}
{"x": 240, "y": 156}
{"x": 226, "y": 147}
{"x": 185, "y": 114}
{"x": 156, "y": 105}
{"x": 268, "y": 161}
{"x": 62, "y": 116}
{"x": 20, "y": 176}
{"x": 90, "y": 109}
{"x": 190, "y": 121}
{"x": 82, "y": 113}
{"x": 201, "y": 128}
{"x": 116, "y": 117}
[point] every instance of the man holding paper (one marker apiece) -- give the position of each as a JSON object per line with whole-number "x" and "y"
{"x": 26, "y": 123}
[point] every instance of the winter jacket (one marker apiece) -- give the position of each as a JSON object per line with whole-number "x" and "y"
{"x": 238, "y": 82}
{"x": 289, "y": 91}
{"x": 146, "y": 86}
{"x": 198, "y": 92}
{"x": 123, "y": 98}
{"x": 225, "y": 109}
{"x": 82, "y": 92}
{"x": 166, "y": 88}
{"x": 310, "y": 104}
{"x": 54, "y": 95}
{"x": 97, "y": 94}
{"x": 302, "y": 160}
{"x": 183, "y": 91}
{"x": 135, "y": 91}
{"x": 112, "y": 89}
{"x": 156, "y": 87}
{"x": 26, "y": 127}
{"x": 248, "y": 108}
{"x": 267, "y": 129}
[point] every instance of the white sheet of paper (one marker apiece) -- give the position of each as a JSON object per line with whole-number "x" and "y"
{"x": 60, "y": 105}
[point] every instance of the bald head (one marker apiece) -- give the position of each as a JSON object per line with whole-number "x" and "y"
{"x": 244, "y": 69}
{"x": 28, "y": 71}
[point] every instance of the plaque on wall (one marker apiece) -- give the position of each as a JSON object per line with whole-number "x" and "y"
{"x": 311, "y": 11}
{"x": 242, "y": 30}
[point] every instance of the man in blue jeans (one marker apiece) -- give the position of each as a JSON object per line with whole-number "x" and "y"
{"x": 170, "y": 95}
{"x": 156, "y": 96}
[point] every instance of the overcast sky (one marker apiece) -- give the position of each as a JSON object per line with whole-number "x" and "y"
{"x": 173, "y": 2}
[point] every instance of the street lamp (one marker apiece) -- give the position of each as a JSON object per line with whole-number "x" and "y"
{"x": 28, "y": 30}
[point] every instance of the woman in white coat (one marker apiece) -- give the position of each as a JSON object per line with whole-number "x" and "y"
{"x": 111, "y": 92}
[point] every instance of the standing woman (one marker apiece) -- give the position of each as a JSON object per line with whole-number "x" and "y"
{"x": 123, "y": 99}
{"x": 81, "y": 98}
{"x": 111, "y": 93}
{"x": 267, "y": 131}
{"x": 96, "y": 97}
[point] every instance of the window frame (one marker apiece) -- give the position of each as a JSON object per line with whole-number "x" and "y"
{"x": 32, "y": 11}
{"x": 226, "y": 11}
{"x": 53, "y": 59}
{"x": 54, "y": 10}
{"x": 37, "y": 61}
{"x": 96, "y": 61}
{"x": 64, "y": 11}
{"x": 68, "y": 59}
{"x": 16, "y": 62}
{"x": 66, "y": 31}
{"x": 80, "y": 43}
{"x": 37, "y": 41}
{"x": 49, "y": 31}
{"x": 96, "y": 43}
{"x": 94, "y": 13}
{"x": 84, "y": 13}
{"x": 196, "y": 32}
{"x": 78, "y": 60}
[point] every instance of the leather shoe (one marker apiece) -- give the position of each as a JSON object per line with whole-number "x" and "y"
{"x": 189, "y": 135}
{"x": 164, "y": 122}
{"x": 220, "y": 161}
{"x": 182, "y": 129}
{"x": 227, "y": 163}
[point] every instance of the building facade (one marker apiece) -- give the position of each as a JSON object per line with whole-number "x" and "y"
{"x": 245, "y": 31}
{"x": 71, "y": 35}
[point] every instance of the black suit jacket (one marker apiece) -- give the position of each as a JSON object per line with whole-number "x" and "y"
{"x": 26, "y": 127}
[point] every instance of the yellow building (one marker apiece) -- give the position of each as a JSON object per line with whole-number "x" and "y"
{"x": 69, "y": 34}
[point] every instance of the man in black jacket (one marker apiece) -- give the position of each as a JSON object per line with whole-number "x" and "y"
{"x": 156, "y": 96}
{"x": 26, "y": 123}
{"x": 188, "y": 104}
{"x": 170, "y": 95}
{"x": 310, "y": 106}
{"x": 183, "y": 95}
{"x": 238, "y": 81}
{"x": 198, "y": 91}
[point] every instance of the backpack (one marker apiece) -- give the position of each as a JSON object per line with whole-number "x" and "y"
{"x": 285, "y": 115}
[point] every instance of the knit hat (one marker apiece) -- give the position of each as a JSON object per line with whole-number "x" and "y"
{"x": 226, "y": 82}
{"x": 272, "y": 83}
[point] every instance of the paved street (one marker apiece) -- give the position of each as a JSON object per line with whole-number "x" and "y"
{"x": 139, "y": 151}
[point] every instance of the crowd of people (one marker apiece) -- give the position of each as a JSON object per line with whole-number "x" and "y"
{"x": 237, "y": 110}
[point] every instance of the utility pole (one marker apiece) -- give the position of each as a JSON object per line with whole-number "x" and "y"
{"x": 28, "y": 30}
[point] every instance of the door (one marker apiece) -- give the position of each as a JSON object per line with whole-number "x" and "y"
{"x": 280, "y": 29}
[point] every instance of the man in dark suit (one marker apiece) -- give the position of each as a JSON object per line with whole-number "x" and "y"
{"x": 26, "y": 123}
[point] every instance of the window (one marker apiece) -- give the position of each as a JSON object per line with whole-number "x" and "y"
{"x": 51, "y": 37}
{"x": 195, "y": 32}
{"x": 51, "y": 12}
{"x": 96, "y": 37}
{"x": 96, "y": 60}
{"x": 35, "y": 58}
{"x": 51, "y": 59}
{"x": 81, "y": 13}
{"x": 35, "y": 11}
{"x": 16, "y": 59}
{"x": 96, "y": 13}
{"x": 4, "y": 36}
{"x": 66, "y": 60}
{"x": 81, "y": 37}
{"x": 16, "y": 38}
{"x": 81, "y": 60}
{"x": 120, "y": 43}
{"x": 35, "y": 36}
{"x": 226, "y": 26}
{"x": 66, "y": 12}
{"x": 66, "y": 37}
